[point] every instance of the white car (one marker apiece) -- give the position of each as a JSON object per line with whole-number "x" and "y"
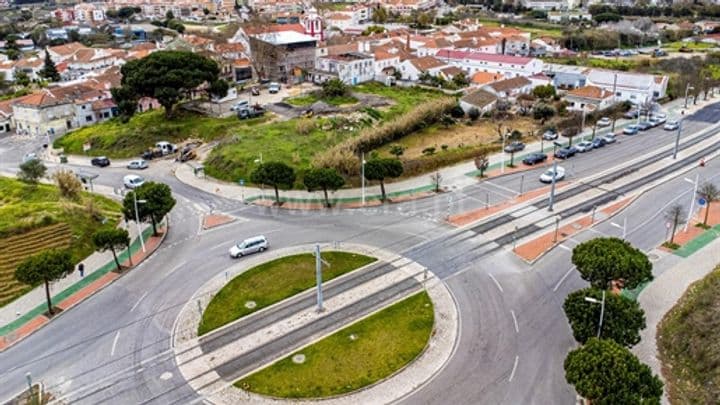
{"x": 29, "y": 156}
{"x": 672, "y": 125}
{"x": 547, "y": 177}
{"x": 241, "y": 105}
{"x": 609, "y": 138}
{"x": 137, "y": 164}
{"x": 584, "y": 146}
{"x": 550, "y": 135}
{"x": 248, "y": 246}
{"x": 273, "y": 88}
{"x": 604, "y": 122}
{"x": 132, "y": 181}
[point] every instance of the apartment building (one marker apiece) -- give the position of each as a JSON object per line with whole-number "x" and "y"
{"x": 352, "y": 68}
{"x": 505, "y": 65}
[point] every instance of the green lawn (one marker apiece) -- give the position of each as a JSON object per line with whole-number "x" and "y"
{"x": 689, "y": 344}
{"x": 355, "y": 357}
{"x": 697, "y": 46}
{"x": 122, "y": 140}
{"x": 272, "y": 282}
{"x": 311, "y": 98}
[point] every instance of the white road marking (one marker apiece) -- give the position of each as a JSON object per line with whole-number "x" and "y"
{"x": 512, "y": 192}
{"x": 563, "y": 279}
{"x": 592, "y": 229}
{"x": 138, "y": 301}
{"x": 512, "y": 373}
{"x": 112, "y": 350}
{"x": 496, "y": 282}
{"x": 517, "y": 329}
{"x": 565, "y": 248}
{"x": 166, "y": 376}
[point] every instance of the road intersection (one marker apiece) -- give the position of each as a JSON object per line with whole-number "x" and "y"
{"x": 512, "y": 334}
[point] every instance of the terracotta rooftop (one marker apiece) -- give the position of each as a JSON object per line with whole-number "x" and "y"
{"x": 487, "y": 57}
{"x": 426, "y": 62}
{"x": 479, "y": 98}
{"x": 510, "y": 84}
{"x": 67, "y": 49}
{"x": 592, "y": 92}
{"x": 485, "y": 77}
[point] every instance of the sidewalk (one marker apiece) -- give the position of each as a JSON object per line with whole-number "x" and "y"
{"x": 454, "y": 177}
{"x": 23, "y": 316}
{"x": 662, "y": 293}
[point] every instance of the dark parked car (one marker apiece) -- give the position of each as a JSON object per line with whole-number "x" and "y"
{"x": 598, "y": 143}
{"x": 631, "y": 114}
{"x": 535, "y": 157}
{"x": 644, "y": 125}
{"x": 100, "y": 161}
{"x": 566, "y": 152}
{"x": 514, "y": 147}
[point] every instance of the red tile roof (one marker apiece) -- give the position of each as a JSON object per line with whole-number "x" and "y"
{"x": 487, "y": 57}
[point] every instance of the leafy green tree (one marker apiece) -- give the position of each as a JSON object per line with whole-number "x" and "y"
{"x": 112, "y": 240}
{"x": 175, "y": 25}
{"x": 710, "y": 193}
{"x": 606, "y": 373}
{"x": 334, "y": 88}
{"x": 126, "y": 100}
{"x": 275, "y": 174}
{"x": 219, "y": 88}
{"x": 543, "y": 112}
{"x": 21, "y": 78}
{"x": 544, "y": 92}
{"x": 323, "y": 179}
{"x": 31, "y": 171}
{"x": 379, "y": 15}
{"x": 45, "y": 267}
{"x": 167, "y": 76}
{"x": 158, "y": 201}
{"x": 380, "y": 169}
{"x": 460, "y": 80}
{"x": 602, "y": 260}
{"x": 49, "y": 70}
{"x": 623, "y": 318}
{"x": 169, "y": 15}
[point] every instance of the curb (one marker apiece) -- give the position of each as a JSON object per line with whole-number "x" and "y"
{"x": 100, "y": 288}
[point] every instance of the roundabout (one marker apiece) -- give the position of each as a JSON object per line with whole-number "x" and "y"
{"x": 387, "y": 327}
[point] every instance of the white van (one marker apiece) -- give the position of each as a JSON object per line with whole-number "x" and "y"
{"x": 166, "y": 147}
{"x": 248, "y": 246}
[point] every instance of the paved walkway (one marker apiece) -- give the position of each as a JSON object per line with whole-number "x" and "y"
{"x": 662, "y": 294}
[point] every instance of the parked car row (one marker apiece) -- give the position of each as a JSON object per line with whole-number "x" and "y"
{"x": 585, "y": 146}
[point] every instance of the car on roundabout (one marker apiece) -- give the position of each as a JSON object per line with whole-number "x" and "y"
{"x": 133, "y": 181}
{"x": 549, "y": 174}
{"x": 249, "y": 246}
{"x": 100, "y": 161}
{"x": 138, "y": 164}
{"x": 514, "y": 147}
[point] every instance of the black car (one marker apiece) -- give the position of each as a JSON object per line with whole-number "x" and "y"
{"x": 514, "y": 147}
{"x": 644, "y": 125}
{"x": 598, "y": 143}
{"x": 564, "y": 153}
{"x": 100, "y": 161}
{"x": 535, "y": 157}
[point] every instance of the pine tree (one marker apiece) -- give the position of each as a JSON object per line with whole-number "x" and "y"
{"x": 49, "y": 71}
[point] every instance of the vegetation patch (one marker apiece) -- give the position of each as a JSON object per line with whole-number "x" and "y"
{"x": 311, "y": 98}
{"x": 355, "y": 357}
{"x": 35, "y": 218}
{"x": 272, "y": 282}
{"x": 689, "y": 344}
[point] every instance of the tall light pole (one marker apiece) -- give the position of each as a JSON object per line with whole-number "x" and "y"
{"x": 137, "y": 219}
{"x": 602, "y": 310}
{"x": 692, "y": 200}
{"x": 552, "y": 187}
{"x": 677, "y": 139}
{"x": 362, "y": 176}
{"x": 502, "y": 161}
{"x": 687, "y": 90}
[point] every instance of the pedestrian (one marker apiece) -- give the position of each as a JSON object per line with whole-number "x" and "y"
{"x": 81, "y": 269}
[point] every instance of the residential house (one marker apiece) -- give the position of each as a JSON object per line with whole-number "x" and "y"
{"x": 509, "y": 89}
{"x": 589, "y": 98}
{"x": 350, "y": 68}
{"x": 450, "y": 72}
{"x": 482, "y": 100}
{"x": 60, "y": 53}
{"x": 6, "y": 116}
{"x": 339, "y": 20}
{"x": 539, "y": 79}
{"x": 92, "y": 107}
{"x": 406, "y": 7}
{"x": 31, "y": 66}
{"x": 283, "y": 55}
{"x": 628, "y": 86}
{"x": 386, "y": 62}
{"x": 506, "y": 65}
{"x": 568, "y": 80}
{"x": 7, "y": 70}
{"x": 242, "y": 70}
{"x": 480, "y": 79}
{"x": 412, "y": 69}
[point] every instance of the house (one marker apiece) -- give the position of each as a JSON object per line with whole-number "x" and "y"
{"x": 339, "y": 20}
{"x": 482, "y": 100}
{"x": 60, "y": 53}
{"x": 566, "y": 16}
{"x": 589, "y": 98}
{"x": 450, "y": 72}
{"x": 480, "y": 79}
{"x": 242, "y": 70}
{"x": 412, "y": 69}
{"x": 628, "y": 86}
{"x": 385, "y": 62}
{"x": 6, "y": 116}
{"x": 350, "y": 68}
{"x": 568, "y": 80}
{"x": 509, "y": 88}
{"x": 539, "y": 79}
{"x": 31, "y": 66}
{"x": 281, "y": 54}
{"x": 506, "y": 65}
{"x": 407, "y": 7}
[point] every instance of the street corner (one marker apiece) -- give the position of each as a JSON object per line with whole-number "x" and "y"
{"x": 211, "y": 221}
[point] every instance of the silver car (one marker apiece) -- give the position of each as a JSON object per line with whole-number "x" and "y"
{"x": 248, "y": 246}
{"x": 584, "y": 146}
{"x": 137, "y": 164}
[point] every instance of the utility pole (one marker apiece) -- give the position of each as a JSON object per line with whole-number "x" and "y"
{"x": 362, "y": 176}
{"x": 318, "y": 278}
{"x": 692, "y": 200}
{"x": 552, "y": 187}
{"x": 137, "y": 219}
{"x": 677, "y": 140}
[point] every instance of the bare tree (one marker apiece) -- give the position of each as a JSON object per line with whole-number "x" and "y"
{"x": 482, "y": 161}
{"x": 436, "y": 179}
{"x": 675, "y": 216}
{"x": 710, "y": 193}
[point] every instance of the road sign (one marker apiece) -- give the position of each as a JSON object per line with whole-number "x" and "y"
{"x": 701, "y": 201}
{"x": 242, "y": 182}
{"x": 668, "y": 225}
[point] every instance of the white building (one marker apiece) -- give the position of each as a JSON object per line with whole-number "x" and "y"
{"x": 634, "y": 87}
{"x": 588, "y": 98}
{"x": 412, "y": 69}
{"x": 506, "y": 65}
{"x": 352, "y": 68}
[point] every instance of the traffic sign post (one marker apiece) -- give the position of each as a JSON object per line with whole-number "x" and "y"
{"x": 242, "y": 190}
{"x": 701, "y": 202}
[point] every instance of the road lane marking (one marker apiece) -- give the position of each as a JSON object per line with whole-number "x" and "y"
{"x": 496, "y": 282}
{"x": 509, "y": 190}
{"x": 138, "y": 301}
{"x": 512, "y": 373}
{"x": 517, "y": 329}
{"x": 112, "y": 350}
{"x": 563, "y": 278}
{"x": 565, "y": 248}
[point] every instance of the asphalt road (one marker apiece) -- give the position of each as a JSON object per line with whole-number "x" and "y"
{"x": 115, "y": 347}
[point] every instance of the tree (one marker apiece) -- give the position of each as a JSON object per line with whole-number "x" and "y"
{"x": 606, "y": 373}
{"x": 473, "y": 114}
{"x": 334, "y": 88}
{"x": 169, "y": 15}
{"x": 710, "y": 193}
{"x": 623, "y": 319}
{"x": 482, "y": 161}
{"x": 45, "y": 267}
{"x": 460, "y": 80}
{"x": 111, "y": 239}
{"x": 379, "y": 169}
{"x": 544, "y": 92}
{"x": 379, "y": 15}
{"x": 31, "y": 171}
{"x": 543, "y": 112}
{"x": 570, "y": 133}
{"x": 602, "y": 260}
{"x": 676, "y": 216}
{"x": 167, "y": 76}
{"x": 323, "y": 179}
{"x": 176, "y": 25}
{"x": 436, "y": 179}
{"x": 68, "y": 183}
{"x": 219, "y": 88}
{"x": 447, "y": 121}
{"x": 126, "y": 100}
{"x": 21, "y": 78}
{"x": 275, "y": 174}
{"x": 158, "y": 201}
{"x": 49, "y": 70}
{"x": 397, "y": 150}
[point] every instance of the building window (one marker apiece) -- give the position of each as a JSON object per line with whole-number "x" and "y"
{"x": 88, "y": 118}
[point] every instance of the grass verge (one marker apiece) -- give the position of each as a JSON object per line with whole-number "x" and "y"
{"x": 689, "y": 344}
{"x": 272, "y": 282}
{"x": 355, "y": 357}
{"x": 311, "y": 98}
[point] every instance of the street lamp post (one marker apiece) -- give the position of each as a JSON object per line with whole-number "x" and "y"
{"x": 677, "y": 139}
{"x": 362, "y": 176}
{"x": 137, "y": 219}
{"x": 602, "y": 310}
{"x": 687, "y": 90}
{"x": 502, "y": 155}
{"x": 552, "y": 187}
{"x": 692, "y": 200}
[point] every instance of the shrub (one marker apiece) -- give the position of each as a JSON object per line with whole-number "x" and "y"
{"x": 334, "y": 88}
{"x": 429, "y": 151}
{"x": 68, "y": 184}
{"x": 304, "y": 126}
{"x": 444, "y": 147}
{"x": 457, "y": 112}
{"x": 473, "y": 114}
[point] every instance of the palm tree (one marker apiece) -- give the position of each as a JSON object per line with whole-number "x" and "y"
{"x": 710, "y": 193}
